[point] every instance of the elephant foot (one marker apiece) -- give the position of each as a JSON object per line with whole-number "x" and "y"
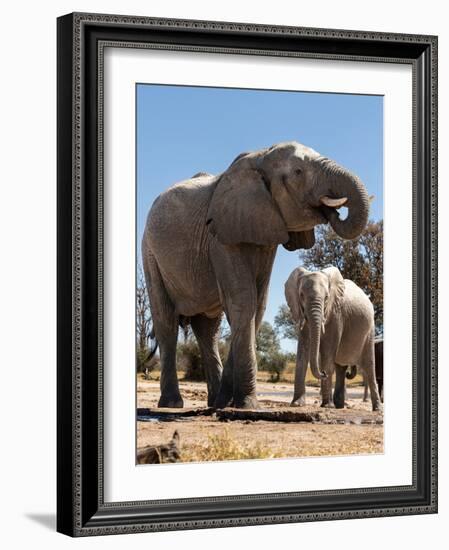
{"x": 171, "y": 402}
{"x": 327, "y": 405}
{"x": 223, "y": 398}
{"x": 213, "y": 392}
{"x": 377, "y": 406}
{"x": 339, "y": 403}
{"x": 298, "y": 402}
{"x": 222, "y": 401}
{"x": 247, "y": 402}
{"x": 212, "y": 401}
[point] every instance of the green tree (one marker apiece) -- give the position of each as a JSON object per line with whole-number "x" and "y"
{"x": 275, "y": 363}
{"x": 284, "y": 323}
{"x": 267, "y": 340}
{"x": 268, "y": 350}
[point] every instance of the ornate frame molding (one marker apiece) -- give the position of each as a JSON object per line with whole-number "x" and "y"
{"x": 81, "y": 42}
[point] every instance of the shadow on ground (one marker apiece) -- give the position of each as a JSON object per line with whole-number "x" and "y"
{"x": 46, "y": 520}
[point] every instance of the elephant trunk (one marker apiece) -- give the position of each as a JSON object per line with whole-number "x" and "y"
{"x": 340, "y": 183}
{"x": 315, "y": 317}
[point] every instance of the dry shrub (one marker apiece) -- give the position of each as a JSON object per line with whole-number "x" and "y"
{"x": 190, "y": 361}
{"x": 224, "y": 447}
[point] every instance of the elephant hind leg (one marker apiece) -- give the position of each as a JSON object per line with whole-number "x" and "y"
{"x": 165, "y": 323}
{"x": 206, "y": 333}
{"x": 365, "y": 389}
{"x": 226, "y": 391}
{"x": 368, "y": 366}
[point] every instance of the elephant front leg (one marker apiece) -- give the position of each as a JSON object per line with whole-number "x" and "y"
{"x": 328, "y": 366}
{"x": 326, "y": 392}
{"x": 327, "y": 357}
{"x": 340, "y": 387}
{"x": 226, "y": 391}
{"x": 245, "y": 368}
{"x": 299, "y": 393}
{"x": 237, "y": 280}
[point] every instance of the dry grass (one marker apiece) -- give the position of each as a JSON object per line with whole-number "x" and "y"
{"x": 204, "y": 438}
{"x": 224, "y": 447}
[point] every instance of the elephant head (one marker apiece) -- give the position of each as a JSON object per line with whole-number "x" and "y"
{"x": 278, "y": 195}
{"x": 312, "y": 297}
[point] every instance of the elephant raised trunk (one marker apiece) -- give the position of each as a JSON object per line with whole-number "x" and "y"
{"x": 315, "y": 321}
{"x": 340, "y": 183}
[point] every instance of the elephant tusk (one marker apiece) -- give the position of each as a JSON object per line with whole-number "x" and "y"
{"x": 323, "y": 330}
{"x": 333, "y": 203}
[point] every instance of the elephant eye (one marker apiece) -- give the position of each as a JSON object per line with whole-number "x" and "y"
{"x": 298, "y": 171}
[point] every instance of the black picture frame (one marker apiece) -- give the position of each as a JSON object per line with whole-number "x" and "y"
{"x": 81, "y": 509}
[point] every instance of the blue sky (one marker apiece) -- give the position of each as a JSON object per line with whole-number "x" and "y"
{"x": 182, "y": 130}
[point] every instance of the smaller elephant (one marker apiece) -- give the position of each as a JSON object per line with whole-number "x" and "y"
{"x": 335, "y": 323}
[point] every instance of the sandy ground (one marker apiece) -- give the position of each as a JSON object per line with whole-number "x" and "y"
{"x": 274, "y": 438}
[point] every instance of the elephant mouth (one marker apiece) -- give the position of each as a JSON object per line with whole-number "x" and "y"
{"x": 324, "y": 215}
{"x": 300, "y": 239}
{"x": 327, "y": 212}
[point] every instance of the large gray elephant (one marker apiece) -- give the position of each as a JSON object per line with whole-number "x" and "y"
{"x": 209, "y": 246}
{"x": 335, "y": 321}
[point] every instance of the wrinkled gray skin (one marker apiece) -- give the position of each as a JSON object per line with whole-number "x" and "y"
{"x": 209, "y": 246}
{"x": 335, "y": 321}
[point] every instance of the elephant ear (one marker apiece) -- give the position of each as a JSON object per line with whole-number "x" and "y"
{"x": 292, "y": 295}
{"x": 243, "y": 211}
{"x": 336, "y": 287}
{"x": 300, "y": 239}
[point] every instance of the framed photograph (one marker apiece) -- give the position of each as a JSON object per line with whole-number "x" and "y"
{"x": 247, "y": 276}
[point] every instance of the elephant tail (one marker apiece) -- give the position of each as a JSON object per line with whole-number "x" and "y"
{"x": 184, "y": 323}
{"x": 153, "y": 348}
{"x": 352, "y": 372}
